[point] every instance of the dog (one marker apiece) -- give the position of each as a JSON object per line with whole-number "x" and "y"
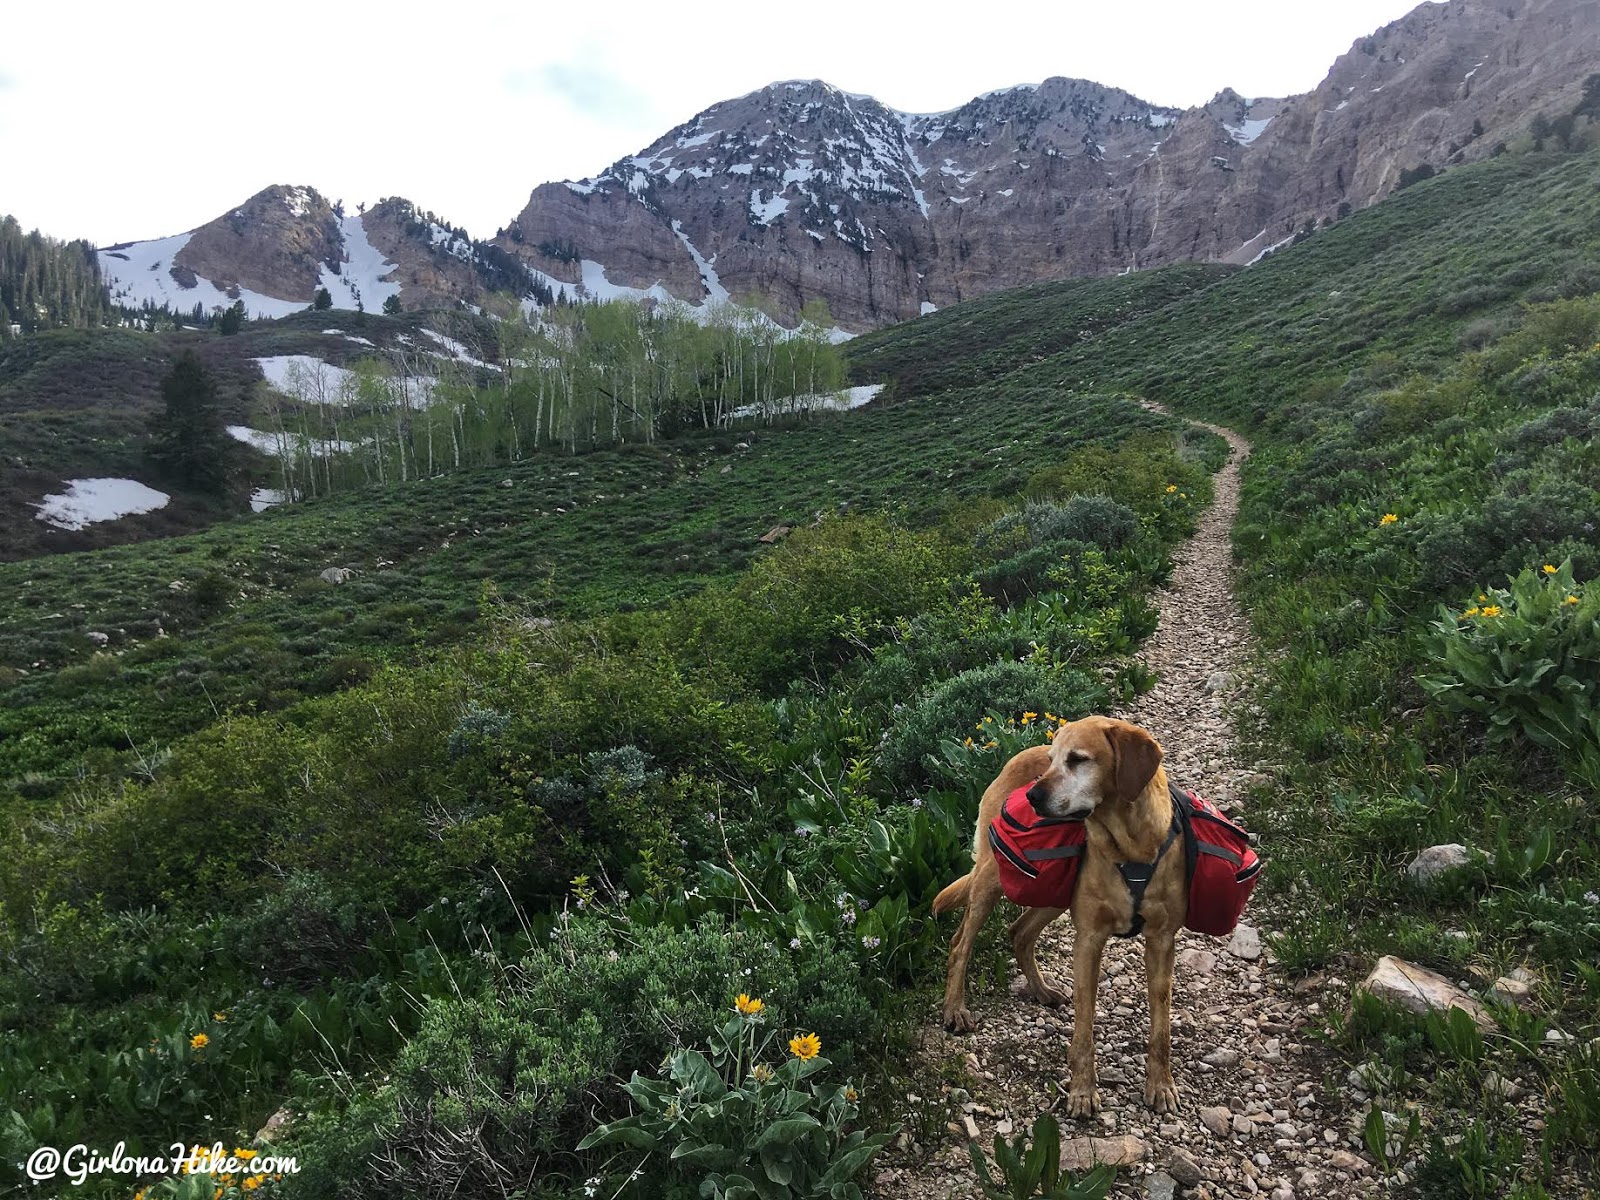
{"x": 1107, "y": 773}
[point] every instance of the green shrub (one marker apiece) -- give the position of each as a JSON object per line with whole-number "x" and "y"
{"x": 731, "y": 1125}
{"x": 303, "y": 931}
{"x": 1526, "y": 659}
{"x": 500, "y": 1086}
{"x": 951, "y": 709}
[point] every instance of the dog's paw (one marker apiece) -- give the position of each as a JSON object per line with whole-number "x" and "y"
{"x": 1161, "y": 1095}
{"x": 1048, "y": 995}
{"x": 960, "y": 1021}
{"x": 1083, "y": 1102}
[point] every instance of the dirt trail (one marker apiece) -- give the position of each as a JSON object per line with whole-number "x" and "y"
{"x": 1255, "y": 1092}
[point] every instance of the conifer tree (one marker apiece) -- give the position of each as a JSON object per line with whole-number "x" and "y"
{"x": 324, "y": 300}
{"x": 391, "y": 305}
{"x": 232, "y": 318}
{"x": 189, "y": 441}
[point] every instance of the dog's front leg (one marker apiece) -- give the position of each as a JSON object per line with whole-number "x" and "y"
{"x": 1087, "y": 947}
{"x": 1160, "y": 1093}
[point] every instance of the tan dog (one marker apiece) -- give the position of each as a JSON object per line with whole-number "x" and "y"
{"x": 1109, "y": 773}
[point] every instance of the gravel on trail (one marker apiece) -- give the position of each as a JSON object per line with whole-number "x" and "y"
{"x": 1265, "y": 1110}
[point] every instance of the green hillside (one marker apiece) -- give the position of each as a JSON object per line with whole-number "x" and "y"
{"x": 441, "y": 854}
{"x": 77, "y": 403}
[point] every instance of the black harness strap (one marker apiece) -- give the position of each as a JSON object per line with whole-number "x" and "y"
{"x": 1137, "y": 877}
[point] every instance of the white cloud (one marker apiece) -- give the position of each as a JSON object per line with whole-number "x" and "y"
{"x": 178, "y": 111}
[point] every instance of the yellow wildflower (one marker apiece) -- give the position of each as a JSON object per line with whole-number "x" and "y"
{"x": 1481, "y": 597}
{"x": 851, "y": 1095}
{"x": 1171, "y": 487}
{"x": 252, "y": 1183}
{"x": 990, "y": 745}
{"x": 1490, "y": 610}
{"x": 969, "y": 743}
{"x": 1570, "y": 600}
{"x": 199, "y": 1042}
{"x": 220, "y": 1016}
{"x": 217, "y": 1195}
{"x": 1471, "y": 612}
{"x": 762, "y": 1073}
{"x": 748, "y": 1006}
{"x": 1049, "y": 716}
{"x": 1183, "y": 495}
{"x": 1548, "y": 569}
{"x": 805, "y": 1047}
{"x": 1388, "y": 519}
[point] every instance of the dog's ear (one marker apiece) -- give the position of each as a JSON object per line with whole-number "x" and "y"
{"x": 1135, "y": 755}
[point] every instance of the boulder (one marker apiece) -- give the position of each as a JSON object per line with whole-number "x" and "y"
{"x": 1429, "y": 864}
{"x": 277, "y": 1125}
{"x": 1245, "y": 942}
{"x": 1512, "y": 991}
{"x": 1218, "y": 1120}
{"x": 1082, "y": 1153}
{"x": 335, "y": 574}
{"x": 1420, "y": 990}
{"x": 1184, "y": 1168}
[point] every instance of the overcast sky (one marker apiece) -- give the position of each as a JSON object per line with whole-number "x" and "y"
{"x": 122, "y": 121}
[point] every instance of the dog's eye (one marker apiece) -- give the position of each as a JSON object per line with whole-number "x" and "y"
{"x": 1074, "y": 757}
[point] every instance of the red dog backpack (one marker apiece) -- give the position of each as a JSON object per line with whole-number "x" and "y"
{"x": 1038, "y": 859}
{"x": 1038, "y": 856}
{"x": 1223, "y": 866}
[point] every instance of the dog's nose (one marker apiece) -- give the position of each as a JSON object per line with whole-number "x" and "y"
{"x": 1034, "y": 796}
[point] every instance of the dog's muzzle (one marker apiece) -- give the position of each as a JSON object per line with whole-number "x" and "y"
{"x": 1038, "y": 802}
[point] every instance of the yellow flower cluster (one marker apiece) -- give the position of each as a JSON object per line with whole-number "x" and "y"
{"x": 1171, "y": 487}
{"x": 1488, "y": 610}
{"x": 1388, "y": 519}
{"x": 1046, "y": 724}
{"x": 1570, "y": 600}
{"x": 806, "y": 1046}
{"x": 748, "y": 1006}
{"x": 1548, "y": 569}
{"x": 199, "y": 1042}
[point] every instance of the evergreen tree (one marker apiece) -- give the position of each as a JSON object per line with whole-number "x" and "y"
{"x": 189, "y": 441}
{"x": 1589, "y": 105}
{"x": 324, "y": 300}
{"x": 232, "y": 318}
{"x": 391, "y": 306}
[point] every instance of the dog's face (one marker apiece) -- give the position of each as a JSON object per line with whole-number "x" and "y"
{"x": 1094, "y": 761}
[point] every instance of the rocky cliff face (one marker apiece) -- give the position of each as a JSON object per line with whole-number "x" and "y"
{"x": 274, "y": 243}
{"x": 801, "y": 192}
{"x": 277, "y": 248}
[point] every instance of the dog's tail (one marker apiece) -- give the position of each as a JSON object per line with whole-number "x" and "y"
{"x": 954, "y": 896}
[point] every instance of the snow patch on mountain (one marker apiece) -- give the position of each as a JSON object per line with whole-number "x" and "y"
{"x": 708, "y": 276}
{"x": 87, "y": 501}
{"x": 284, "y": 444}
{"x": 459, "y": 351}
{"x": 141, "y": 272}
{"x": 308, "y": 378}
{"x": 1248, "y": 131}
{"x": 763, "y": 212}
{"x": 359, "y": 282}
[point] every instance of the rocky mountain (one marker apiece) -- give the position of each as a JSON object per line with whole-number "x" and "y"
{"x": 277, "y": 248}
{"x": 800, "y": 192}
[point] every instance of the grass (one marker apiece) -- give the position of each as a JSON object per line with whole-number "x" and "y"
{"x": 702, "y": 735}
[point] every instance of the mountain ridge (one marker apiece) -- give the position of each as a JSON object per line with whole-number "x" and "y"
{"x": 799, "y": 192}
